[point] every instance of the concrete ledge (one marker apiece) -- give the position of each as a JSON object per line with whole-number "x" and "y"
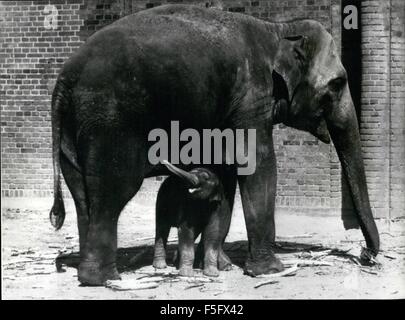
{"x": 142, "y": 199}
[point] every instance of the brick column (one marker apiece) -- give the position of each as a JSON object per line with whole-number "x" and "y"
{"x": 375, "y": 112}
{"x": 397, "y": 114}
{"x": 335, "y": 169}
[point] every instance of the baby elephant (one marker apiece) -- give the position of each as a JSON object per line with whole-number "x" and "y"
{"x": 193, "y": 202}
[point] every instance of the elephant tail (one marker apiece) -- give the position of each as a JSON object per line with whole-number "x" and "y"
{"x": 57, "y": 213}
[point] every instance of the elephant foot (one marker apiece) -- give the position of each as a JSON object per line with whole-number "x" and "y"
{"x": 186, "y": 271}
{"x": 211, "y": 271}
{"x": 266, "y": 265}
{"x": 226, "y": 267}
{"x": 367, "y": 257}
{"x": 224, "y": 263}
{"x": 93, "y": 274}
{"x": 159, "y": 263}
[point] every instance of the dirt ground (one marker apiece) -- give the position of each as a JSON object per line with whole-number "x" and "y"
{"x": 30, "y": 246}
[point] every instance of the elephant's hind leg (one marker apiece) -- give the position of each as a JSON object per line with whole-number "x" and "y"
{"x": 114, "y": 173}
{"x": 75, "y": 182}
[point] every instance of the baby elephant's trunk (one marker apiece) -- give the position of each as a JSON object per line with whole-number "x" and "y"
{"x": 188, "y": 177}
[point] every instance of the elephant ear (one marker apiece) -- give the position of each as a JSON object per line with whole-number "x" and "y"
{"x": 289, "y": 65}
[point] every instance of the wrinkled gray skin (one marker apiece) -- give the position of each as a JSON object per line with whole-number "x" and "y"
{"x": 194, "y": 202}
{"x": 207, "y": 69}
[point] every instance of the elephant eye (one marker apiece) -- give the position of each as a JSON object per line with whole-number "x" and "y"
{"x": 337, "y": 84}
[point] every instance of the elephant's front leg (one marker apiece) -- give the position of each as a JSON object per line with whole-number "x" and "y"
{"x": 228, "y": 179}
{"x": 258, "y": 192}
{"x": 186, "y": 249}
{"x": 162, "y": 233}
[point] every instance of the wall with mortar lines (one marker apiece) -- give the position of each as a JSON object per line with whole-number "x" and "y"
{"x": 308, "y": 170}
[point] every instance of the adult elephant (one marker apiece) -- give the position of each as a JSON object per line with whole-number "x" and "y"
{"x": 206, "y": 69}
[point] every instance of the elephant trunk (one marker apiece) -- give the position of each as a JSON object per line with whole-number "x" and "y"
{"x": 343, "y": 128}
{"x": 190, "y": 178}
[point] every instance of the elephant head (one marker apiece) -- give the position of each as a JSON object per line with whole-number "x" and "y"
{"x": 202, "y": 183}
{"x": 312, "y": 94}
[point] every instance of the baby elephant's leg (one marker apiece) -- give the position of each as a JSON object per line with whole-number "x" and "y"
{"x": 186, "y": 250}
{"x": 212, "y": 239}
{"x": 224, "y": 263}
{"x": 211, "y": 257}
{"x": 162, "y": 233}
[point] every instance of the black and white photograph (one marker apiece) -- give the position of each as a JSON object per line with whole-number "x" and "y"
{"x": 224, "y": 150}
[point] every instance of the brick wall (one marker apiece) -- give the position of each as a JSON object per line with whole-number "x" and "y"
{"x": 382, "y": 114}
{"x": 309, "y": 172}
{"x": 31, "y": 57}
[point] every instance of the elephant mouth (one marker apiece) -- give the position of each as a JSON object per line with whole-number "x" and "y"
{"x": 321, "y": 132}
{"x": 193, "y": 190}
{"x": 324, "y": 137}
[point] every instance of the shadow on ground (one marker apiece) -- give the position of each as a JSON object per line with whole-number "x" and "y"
{"x": 133, "y": 258}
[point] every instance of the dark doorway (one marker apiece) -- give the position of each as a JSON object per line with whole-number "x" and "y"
{"x": 351, "y": 59}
